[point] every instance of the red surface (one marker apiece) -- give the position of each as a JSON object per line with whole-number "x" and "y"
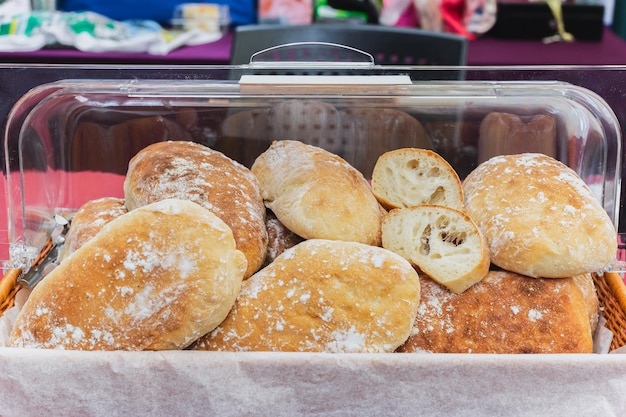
{"x": 78, "y": 187}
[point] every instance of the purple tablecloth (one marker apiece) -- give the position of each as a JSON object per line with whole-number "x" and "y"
{"x": 214, "y": 53}
{"x": 483, "y": 51}
{"x": 488, "y": 51}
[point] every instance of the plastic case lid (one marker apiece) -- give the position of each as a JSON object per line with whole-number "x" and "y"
{"x": 70, "y": 141}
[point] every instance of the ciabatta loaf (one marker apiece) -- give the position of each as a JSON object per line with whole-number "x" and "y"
{"x": 443, "y": 242}
{"x": 412, "y": 176}
{"x": 190, "y": 171}
{"x": 316, "y": 194}
{"x": 155, "y": 278}
{"x": 323, "y": 296}
{"x": 539, "y": 217}
{"x": 89, "y": 220}
{"x": 505, "y": 313}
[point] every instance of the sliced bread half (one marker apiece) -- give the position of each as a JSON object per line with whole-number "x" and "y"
{"x": 412, "y": 176}
{"x": 442, "y": 242}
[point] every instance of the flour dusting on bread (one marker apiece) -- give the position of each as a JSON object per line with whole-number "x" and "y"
{"x": 538, "y": 216}
{"x": 190, "y": 171}
{"x": 316, "y": 194}
{"x": 323, "y": 296}
{"x": 504, "y": 313}
{"x": 158, "y": 277}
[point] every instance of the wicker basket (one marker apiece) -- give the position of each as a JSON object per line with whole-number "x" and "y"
{"x": 8, "y": 289}
{"x": 611, "y": 292}
{"x": 9, "y": 285}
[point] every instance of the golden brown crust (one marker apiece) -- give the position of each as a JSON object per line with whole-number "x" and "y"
{"x": 316, "y": 194}
{"x": 538, "y": 216}
{"x": 592, "y": 303}
{"x": 323, "y": 296}
{"x": 89, "y": 220}
{"x": 191, "y": 171}
{"x": 156, "y": 278}
{"x": 503, "y": 313}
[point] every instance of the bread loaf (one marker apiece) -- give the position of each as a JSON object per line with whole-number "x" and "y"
{"x": 323, "y": 296}
{"x": 411, "y": 176}
{"x": 155, "y": 278}
{"x": 111, "y": 144}
{"x": 443, "y": 242}
{"x": 191, "y": 171}
{"x": 538, "y": 216}
{"x": 369, "y": 132}
{"x": 505, "y": 133}
{"x": 316, "y": 194}
{"x": 89, "y": 220}
{"x": 505, "y": 313}
{"x": 247, "y": 133}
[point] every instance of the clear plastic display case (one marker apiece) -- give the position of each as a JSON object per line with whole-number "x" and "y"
{"x": 69, "y": 133}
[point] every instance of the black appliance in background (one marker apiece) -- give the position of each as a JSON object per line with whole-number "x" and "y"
{"x": 534, "y": 20}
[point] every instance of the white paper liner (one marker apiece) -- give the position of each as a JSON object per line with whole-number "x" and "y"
{"x": 602, "y": 338}
{"x": 36, "y": 382}
{"x": 8, "y": 318}
{"x": 194, "y": 383}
